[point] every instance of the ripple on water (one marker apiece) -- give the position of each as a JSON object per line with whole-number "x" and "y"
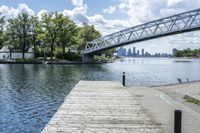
{"x": 31, "y": 94}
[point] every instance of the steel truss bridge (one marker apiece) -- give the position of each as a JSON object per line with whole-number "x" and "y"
{"x": 176, "y": 24}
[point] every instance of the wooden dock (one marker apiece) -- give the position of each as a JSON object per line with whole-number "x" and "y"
{"x": 100, "y": 106}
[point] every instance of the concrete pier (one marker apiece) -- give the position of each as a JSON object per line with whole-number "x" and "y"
{"x": 87, "y": 58}
{"x": 101, "y": 106}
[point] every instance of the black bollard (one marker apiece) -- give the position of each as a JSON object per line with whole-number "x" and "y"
{"x": 123, "y": 79}
{"x": 177, "y": 121}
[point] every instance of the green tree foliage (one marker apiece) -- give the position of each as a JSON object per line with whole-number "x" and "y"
{"x": 35, "y": 29}
{"x": 188, "y": 53}
{"x": 67, "y": 30}
{"x": 2, "y": 33}
{"x": 54, "y": 30}
{"x": 19, "y": 32}
{"x": 87, "y": 33}
{"x": 50, "y": 25}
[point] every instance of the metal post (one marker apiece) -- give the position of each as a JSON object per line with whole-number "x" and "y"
{"x": 177, "y": 121}
{"x": 123, "y": 79}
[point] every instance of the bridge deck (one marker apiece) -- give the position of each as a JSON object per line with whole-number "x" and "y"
{"x": 95, "y": 106}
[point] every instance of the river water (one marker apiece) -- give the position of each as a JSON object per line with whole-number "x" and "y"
{"x": 31, "y": 94}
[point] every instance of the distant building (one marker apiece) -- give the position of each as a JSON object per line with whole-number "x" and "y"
{"x": 121, "y": 51}
{"x": 147, "y": 54}
{"x": 138, "y": 53}
{"x": 129, "y": 53}
{"x": 142, "y": 52}
{"x": 174, "y": 51}
{"x": 134, "y": 51}
{"x": 5, "y": 54}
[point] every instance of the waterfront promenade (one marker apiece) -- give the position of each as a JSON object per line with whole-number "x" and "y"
{"x": 105, "y": 106}
{"x": 160, "y": 103}
{"x": 100, "y": 106}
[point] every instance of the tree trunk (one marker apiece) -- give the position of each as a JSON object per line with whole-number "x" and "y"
{"x": 23, "y": 55}
{"x": 63, "y": 52}
{"x": 23, "y": 50}
{"x": 24, "y": 42}
{"x": 34, "y": 45}
{"x": 10, "y": 54}
{"x": 52, "y": 52}
{"x": 34, "y": 50}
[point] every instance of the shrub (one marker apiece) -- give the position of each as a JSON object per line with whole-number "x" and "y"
{"x": 68, "y": 56}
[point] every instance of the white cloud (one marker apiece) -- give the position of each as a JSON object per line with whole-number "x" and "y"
{"x": 23, "y": 8}
{"x": 77, "y": 2}
{"x": 40, "y": 13}
{"x": 110, "y": 10}
{"x": 78, "y": 14}
{"x": 141, "y": 11}
{"x": 97, "y": 19}
{"x": 10, "y": 12}
{"x": 146, "y": 10}
{"x": 173, "y": 2}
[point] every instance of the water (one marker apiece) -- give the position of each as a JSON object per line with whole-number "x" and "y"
{"x": 31, "y": 94}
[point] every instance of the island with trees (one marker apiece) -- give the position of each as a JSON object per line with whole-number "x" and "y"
{"x": 53, "y": 37}
{"x": 195, "y": 53}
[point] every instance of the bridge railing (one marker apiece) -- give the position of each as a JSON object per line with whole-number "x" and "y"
{"x": 176, "y": 24}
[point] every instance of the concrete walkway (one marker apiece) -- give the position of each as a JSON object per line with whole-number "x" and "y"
{"x": 191, "y": 89}
{"x": 94, "y": 106}
{"x": 160, "y": 103}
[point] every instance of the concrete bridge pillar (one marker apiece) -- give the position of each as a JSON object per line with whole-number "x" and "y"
{"x": 87, "y": 58}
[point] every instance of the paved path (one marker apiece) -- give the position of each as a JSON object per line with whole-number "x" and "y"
{"x": 191, "y": 89}
{"x": 100, "y": 107}
{"x": 160, "y": 105}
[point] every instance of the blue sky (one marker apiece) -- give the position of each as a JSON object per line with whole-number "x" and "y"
{"x": 94, "y": 7}
{"x": 109, "y": 16}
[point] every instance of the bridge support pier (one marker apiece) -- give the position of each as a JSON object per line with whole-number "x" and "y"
{"x": 87, "y": 58}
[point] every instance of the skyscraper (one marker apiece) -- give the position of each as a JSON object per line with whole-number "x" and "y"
{"x": 121, "y": 51}
{"x": 134, "y": 53}
{"x": 129, "y": 53}
{"x": 142, "y": 52}
{"x": 138, "y": 52}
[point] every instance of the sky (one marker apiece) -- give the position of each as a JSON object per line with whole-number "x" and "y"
{"x": 109, "y": 16}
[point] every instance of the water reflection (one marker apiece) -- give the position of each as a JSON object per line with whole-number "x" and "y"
{"x": 31, "y": 94}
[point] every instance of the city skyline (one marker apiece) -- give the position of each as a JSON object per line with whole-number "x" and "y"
{"x": 134, "y": 52}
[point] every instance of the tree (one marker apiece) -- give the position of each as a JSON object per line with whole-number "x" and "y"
{"x": 50, "y": 29}
{"x": 2, "y": 34}
{"x": 66, "y": 32}
{"x": 11, "y": 33}
{"x": 24, "y": 31}
{"x": 19, "y": 31}
{"x": 86, "y": 34}
{"x": 34, "y": 29}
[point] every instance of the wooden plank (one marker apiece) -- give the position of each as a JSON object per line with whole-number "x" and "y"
{"x": 100, "y": 106}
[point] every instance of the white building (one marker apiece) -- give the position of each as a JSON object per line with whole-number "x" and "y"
{"x": 5, "y": 54}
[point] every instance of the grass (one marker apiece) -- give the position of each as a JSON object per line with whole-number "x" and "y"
{"x": 191, "y": 100}
{"x": 26, "y": 60}
{"x": 100, "y": 58}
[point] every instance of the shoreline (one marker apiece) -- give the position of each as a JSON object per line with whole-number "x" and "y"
{"x": 53, "y": 62}
{"x": 175, "y": 84}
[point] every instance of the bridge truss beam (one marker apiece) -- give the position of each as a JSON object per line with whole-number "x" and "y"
{"x": 176, "y": 24}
